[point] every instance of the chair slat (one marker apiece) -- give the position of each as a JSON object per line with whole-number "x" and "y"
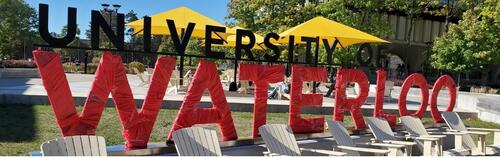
{"x": 102, "y": 146}
{"x": 61, "y": 147}
{"x": 77, "y": 141}
{"x": 94, "y": 146}
{"x": 70, "y": 147}
{"x": 85, "y": 145}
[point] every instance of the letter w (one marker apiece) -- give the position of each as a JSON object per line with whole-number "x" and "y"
{"x": 110, "y": 77}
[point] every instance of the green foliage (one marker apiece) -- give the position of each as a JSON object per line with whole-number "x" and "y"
{"x": 70, "y": 67}
{"x": 17, "y": 23}
{"x": 471, "y": 44}
{"x": 137, "y": 65}
{"x": 276, "y": 16}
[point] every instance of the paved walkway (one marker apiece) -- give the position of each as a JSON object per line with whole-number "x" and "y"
{"x": 80, "y": 85}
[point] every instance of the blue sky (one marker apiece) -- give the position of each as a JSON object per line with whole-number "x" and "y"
{"x": 215, "y": 9}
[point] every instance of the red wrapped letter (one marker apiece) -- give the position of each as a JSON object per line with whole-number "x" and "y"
{"x": 206, "y": 76}
{"x": 111, "y": 78}
{"x": 261, "y": 75}
{"x": 447, "y": 81}
{"x": 298, "y": 100}
{"x": 379, "y": 99}
{"x": 419, "y": 80}
{"x": 345, "y": 76}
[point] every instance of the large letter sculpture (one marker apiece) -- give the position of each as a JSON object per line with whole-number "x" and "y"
{"x": 419, "y": 80}
{"x": 379, "y": 99}
{"x": 342, "y": 103}
{"x": 299, "y": 100}
{"x": 261, "y": 75}
{"x": 111, "y": 78}
{"x": 205, "y": 77}
{"x": 447, "y": 81}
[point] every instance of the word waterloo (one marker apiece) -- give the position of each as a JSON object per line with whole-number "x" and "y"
{"x": 110, "y": 78}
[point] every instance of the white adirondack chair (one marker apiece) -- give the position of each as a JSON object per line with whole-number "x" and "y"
{"x": 174, "y": 83}
{"x": 455, "y": 124}
{"x": 280, "y": 141}
{"x": 244, "y": 87}
{"x": 81, "y": 145}
{"x": 382, "y": 132}
{"x": 196, "y": 141}
{"x": 145, "y": 79}
{"x": 430, "y": 140}
{"x": 347, "y": 145}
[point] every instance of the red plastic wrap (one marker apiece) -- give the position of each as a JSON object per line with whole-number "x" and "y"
{"x": 299, "y": 100}
{"x": 111, "y": 78}
{"x": 206, "y": 76}
{"x": 419, "y": 80}
{"x": 447, "y": 81}
{"x": 261, "y": 75}
{"x": 342, "y": 103}
{"x": 379, "y": 99}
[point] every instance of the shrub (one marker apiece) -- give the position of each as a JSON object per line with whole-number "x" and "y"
{"x": 139, "y": 66}
{"x": 91, "y": 67}
{"x": 70, "y": 67}
{"x": 17, "y": 64}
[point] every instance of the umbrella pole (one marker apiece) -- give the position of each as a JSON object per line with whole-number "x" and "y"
{"x": 233, "y": 86}
{"x": 181, "y": 66}
{"x": 316, "y": 57}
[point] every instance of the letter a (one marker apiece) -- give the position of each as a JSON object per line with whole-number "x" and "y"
{"x": 206, "y": 76}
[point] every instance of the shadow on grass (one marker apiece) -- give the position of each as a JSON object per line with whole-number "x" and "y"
{"x": 17, "y": 123}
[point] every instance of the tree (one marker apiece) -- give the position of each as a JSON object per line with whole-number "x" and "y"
{"x": 276, "y": 16}
{"x": 471, "y": 44}
{"x": 18, "y": 22}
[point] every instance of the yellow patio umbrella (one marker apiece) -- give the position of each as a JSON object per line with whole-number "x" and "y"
{"x": 330, "y": 30}
{"x": 231, "y": 39}
{"x": 182, "y": 16}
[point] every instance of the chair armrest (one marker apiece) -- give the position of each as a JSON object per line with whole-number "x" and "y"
{"x": 267, "y": 153}
{"x": 388, "y": 145}
{"x": 427, "y": 138}
{"x": 435, "y": 135}
{"x": 476, "y": 132}
{"x": 368, "y": 150}
{"x": 399, "y": 142}
{"x": 403, "y": 137}
{"x": 327, "y": 152}
{"x": 484, "y": 129}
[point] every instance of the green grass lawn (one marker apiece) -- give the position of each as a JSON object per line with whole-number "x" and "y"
{"x": 23, "y": 127}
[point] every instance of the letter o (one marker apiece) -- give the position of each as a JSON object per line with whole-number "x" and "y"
{"x": 419, "y": 80}
{"x": 447, "y": 81}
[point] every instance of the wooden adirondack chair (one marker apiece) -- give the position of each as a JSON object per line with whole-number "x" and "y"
{"x": 196, "y": 141}
{"x": 81, "y": 145}
{"x": 279, "y": 140}
{"x": 346, "y": 144}
{"x": 455, "y": 124}
{"x": 382, "y": 132}
{"x": 426, "y": 140}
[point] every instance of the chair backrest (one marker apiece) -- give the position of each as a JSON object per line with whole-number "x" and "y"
{"x": 454, "y": 122}
{"x": 196, "y": 141}
{"x": 388, "y": 88}
{"x": 81, "y": 145}
{"x": 279, "y": 139}
{"x": 413, "y": 125}
{"x": 380, "y": 128}
{"x": 341, "y": 136}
